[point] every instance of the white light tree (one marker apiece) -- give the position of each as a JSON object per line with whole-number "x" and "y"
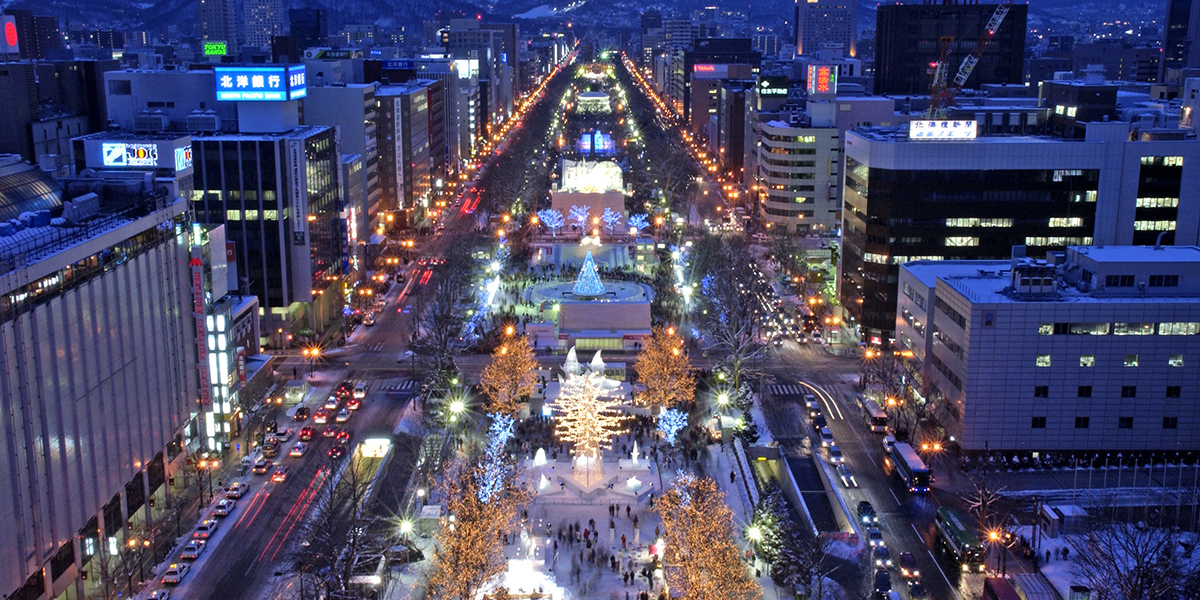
{"x": 611, "y": 218}
{"x": 579, "y": 214}
{"x": 638, "y": 222}
{"x": 551, "y": 218}
{"x": 670, "y": 422}
{"x": 588, "y": 417}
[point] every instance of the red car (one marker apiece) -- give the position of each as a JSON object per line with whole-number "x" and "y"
{"x": 354, "y": 404}
{"x": 306, "y": 434}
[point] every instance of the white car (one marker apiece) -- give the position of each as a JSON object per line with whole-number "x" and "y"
{"x": 282, "y": 436}
{"x": 175, "y": 573}
{"x": 835, "y": 454}
{"x": 192, "y": 550}
{"x": 224, "y": 507}
{"x": 298, "y": 449}
{"x": 205, "y": 529}
{"x": 160, "y": 595}
{"x": 236, "y": 490}
{"x": 331, "y": 403}
{"x": 343, "y": 415}
{"x": 847, "y": 476}
{"x": 889, "y": 442}
{"x": 874, "y": 536}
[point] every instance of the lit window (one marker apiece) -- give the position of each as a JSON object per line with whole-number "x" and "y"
{"x": 1176, "y": 360}
{"x": 1131, "y": 360}
{"x": 233, "y": 215}
{"x": 960, "y": 241}
{"x": 1043, "y": 360}
{"x": 1087, "y": 360}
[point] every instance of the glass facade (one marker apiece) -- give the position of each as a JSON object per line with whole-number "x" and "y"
{"x": 1158, "y": 199}
{"x": 906, "y": 215}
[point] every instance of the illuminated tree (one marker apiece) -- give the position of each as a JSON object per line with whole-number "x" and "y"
{"x": 589, "y": 419}
{"x": 728, "y": 301}
{"x": 638, "y": 222}
{"x": 700, "y": 558}
{"x": 670, "y": 422}
{"x": 469, "y": 549}
{"x": 611, "y": 218}
{"x": 579, "y": 214}
{"x": 666, "y": 372}
{"x": 509, "y": 376}
{"x": 551, "y": 218}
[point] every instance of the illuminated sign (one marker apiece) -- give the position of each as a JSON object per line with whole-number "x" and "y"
{"x": 215, "y": 48}
{"x": 122, "y": 154}
{"x": 183, "y": 158}
{"x": 705, "y": 69}
{"x": 942, "y": 130}
{"x": 260, "y": 84}
{"x": 403, "y": 64}
{"x": 822, "y": 79}
{"x": 9, "y": 42}
{"x": 772, "y": 87}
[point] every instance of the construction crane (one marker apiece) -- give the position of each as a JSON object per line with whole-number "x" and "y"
{"x": 942, "y": 92}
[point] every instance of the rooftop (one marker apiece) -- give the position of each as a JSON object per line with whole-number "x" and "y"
{"x": 1138, "y": 254}
{"x": 927, "y": 271}
{"x": 993, "y": 289}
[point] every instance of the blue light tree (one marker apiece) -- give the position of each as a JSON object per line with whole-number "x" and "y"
{"x": 551, "y": 218}
{"x": 496, "y": 465}
{"x": 611, "y": 218}
{"x": 670, "y": 422}
{"x": 639, "y": 222}
{"x": 588, "y": 282}
{"x": 579, "y": 214}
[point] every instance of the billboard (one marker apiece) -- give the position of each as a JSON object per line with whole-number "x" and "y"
{"x": 942, "y": 130}
{"x": 260, "y": 84}
{"x": 129, "y": 154}
{"x": 709, "y": 71}
{"x": 173, "y": 155}
{"x": 215, "y": 48}
{"x": 773, "y": 86}
{"x": 400, "y": 64}
{"x": 9, "y": 41}
{"x": 183, "y": 158}
{"x": 822, "y": 79}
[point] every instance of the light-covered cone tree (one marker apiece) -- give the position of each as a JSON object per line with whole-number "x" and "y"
{"x": 665, "y": 371}
{"x": 701, "y": 560}
{"x": 589, "y": 419}
{"x": 510, "y": 375}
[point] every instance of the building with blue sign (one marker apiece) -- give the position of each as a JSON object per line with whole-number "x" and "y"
{"x": 275, "y": 83}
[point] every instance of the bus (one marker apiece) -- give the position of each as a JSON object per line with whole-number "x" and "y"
{"x": 910, "y": 468}
{"x": 958, "y": 540}
{"x": 874, "y": 416}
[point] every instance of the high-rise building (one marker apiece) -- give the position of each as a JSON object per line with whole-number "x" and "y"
{"x": 310, "y": 26}
{"x": 826, "y": 22}
{"x": 1181, "y": 37}
{"x": 1088, "y": 350}
{"x": 48, "y": 103}
{"x": 263, "y": 20}
{"x": 351, "y": 108}
{"x": 678, "y": 34}
{"x": 909, "y": 198}
{"x": 404, "y": 146}
{"x": 221, "y": 20}
{"x": 697, "y": 73}
{"x": 908, "y": 39}
{"x": 99, "y": 360}
{"x": 39, "y": 35}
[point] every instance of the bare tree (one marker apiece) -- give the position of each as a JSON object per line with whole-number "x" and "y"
{"x": 730, "y": 311}
{"x": 986, "y": 501}
{"x": 442, "y": 320}
{"x": 1131, "y": 561}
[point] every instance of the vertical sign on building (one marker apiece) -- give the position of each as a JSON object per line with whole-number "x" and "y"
{"x": 198, "y": 311}
{"x": 10, "y": 44}
{"x": 299, "y": 191}
{"x": 241, "y": 366}
{"x": 822, "y": 79}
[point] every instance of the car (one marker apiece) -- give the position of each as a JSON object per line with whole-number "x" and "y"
{"x": 866, "y": 513}
{"x": 205, "y": 529}
{"x": 874, "y": 536}
{"x": 321, "y": 416}
{"x": 835, "y": 454}
{"x": 262, "y": 466}
{"x": 192, "y": 550}
{"x": 816, "y": 336}
{"x": 302, "y": 413}
{"x": 369, "y": 320}
{"x": 883, "y": 557}
{"x": 224, "y": 507}
{"x": 889, "y": 442}
{"x": 331, "y": 430}
{"x": 883, "y": 583}
{"x": 344, "y": 390}
{"x": 819, "y": 421}
{"x": 908, "y": 565}
{"x": 354, "y": 404}
{"x": 777, "y": 342}
{"x": 283, "y": 436}
{"x": 916, "y": 589}
{"x": 280, "y": 474}
{"x": 306, "y": 434}
{"x": 175, "y": 573}
{"x": 236, "y": 490}
{"x": 343, "y": 415}
{"x": 337, "y": 452}
{"x": 298, "y": 449}
{"x": 825, "y": 435}
{"x": 360, "y": 390}
{"x": 847, "y": 477}
{"x": 331, "y": 403}
{"x": 343, "y": 436}
{"x": 160, "y": 595}
{"x": 270, "y": 448}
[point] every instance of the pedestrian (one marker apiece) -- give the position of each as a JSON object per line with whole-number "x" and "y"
{"x": 1065, "y": 550}
{"x": 635, "y": 520}
{"x": 627, "y": 512}
{"x": 1047, "y": 557}
{"x": 622, "y": 541}
{"x": 732, "y": 476}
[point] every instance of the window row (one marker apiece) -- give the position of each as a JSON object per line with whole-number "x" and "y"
{"x": 1127, "y": 391}
{"x": 1158, "y": 202}
{"x": 1122, "y": 423}
{"x": 1164, "y": 328}
{"x": 1089, "y": 360}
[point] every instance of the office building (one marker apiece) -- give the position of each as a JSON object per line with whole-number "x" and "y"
{"x": 826, "y": 22}
{"x": 221, "y": 21}
{"x": 48, "y": 103}
{"x": 908, "y": 40}
{"x": 407, "y": 171}
{"x": 696, "y": 75}
{"x": 678, "y": 34}
{"x": 99, "y": 364}
{"x": 278, "y": 195}
{"x": 1180, "y": 49}
{"x": 159, "y": 100}
{"x": 351, "y": 108}
{"x": 263, "y": 20}
{"x": 310, "y": 26}
{"x": 39, "y": 36}
{"x": 1089, "y": 350}
{"x": 1119, "y": 61}
{"x": 909, "y": 198}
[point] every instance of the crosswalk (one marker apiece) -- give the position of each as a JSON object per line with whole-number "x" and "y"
{"x": 787, "y": 390}
{"x": 375, "y": 347}
{"x": 403, "y": 386}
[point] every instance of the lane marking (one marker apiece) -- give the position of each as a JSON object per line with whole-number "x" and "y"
{"x": 939, "y": 568}
{"x": 894, "y": 497}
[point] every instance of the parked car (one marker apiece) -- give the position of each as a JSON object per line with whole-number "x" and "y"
{"x": 205, "y": 529}
{"x": 224, "y": 507}
{"x": 236, "y": 490}
{"x": 302, "y": 413}
{"x": 298, "y": 449}
{"x": 175, "y": 573}
{"x": 192, "y": 550}
{"x": 847, "y": 477}
{"x": 866, "y": 513}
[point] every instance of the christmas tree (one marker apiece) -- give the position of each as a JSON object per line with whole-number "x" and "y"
{"x": 588, "y": 283}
